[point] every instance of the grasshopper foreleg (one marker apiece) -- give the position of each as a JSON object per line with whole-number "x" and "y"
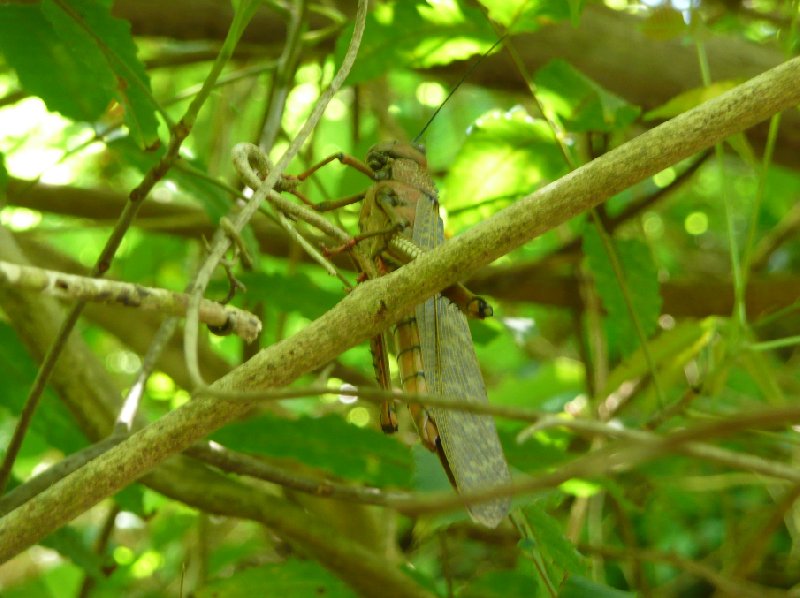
{"x": 345, "y": 159}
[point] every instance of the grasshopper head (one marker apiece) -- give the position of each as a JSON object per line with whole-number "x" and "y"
{"x": 381, "y": 154}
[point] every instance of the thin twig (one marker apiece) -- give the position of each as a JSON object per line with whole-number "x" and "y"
{"x": 283, "y": 75}
{"x": 130, "y": 406}
{"x": 253, "y": 166}
{"x": 84, "y": 288}
{"x": 242, "y": 464}
{"x": 25, "y": 492}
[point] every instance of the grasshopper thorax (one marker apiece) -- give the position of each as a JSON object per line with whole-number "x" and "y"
{"x": 381, "y": 156}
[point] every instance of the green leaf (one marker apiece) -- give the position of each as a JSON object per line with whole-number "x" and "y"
{"x": 70, "y": 544}
{"x": 518, "y": 16}
{"x": 290, "y": 578}
{"x": 543, "y": 451}
{"x": 245, "y": 10}
{"x": 580, "y": 103}
{"x": 663, "y": 23}
{"x": 580, "y": 587}
{"x": 47, "y": 67}
{"x": 552, "y": 543}
{"x": 3, "y": 177}
{"x": 547, "y": 387}
{"x": 641, "y": 278}
{"x": 671, "y": 350}
{"x": 52, "y": 421}
{"x": 131, "y": 499}
{"x": 502, "y": 584}
{"x": 214, "y": 200}
{"x": 88, "y": 23}
{"x": 289, "y": 292}
{"x": 505, "y": 154}
{"x": 328, "y": 443}
{"x": 415, "y": 34}
{"x": 78, "y": 58}
{"x": 689, "y": 99}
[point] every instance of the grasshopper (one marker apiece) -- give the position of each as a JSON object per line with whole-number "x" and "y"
{"x": 399, "y": 219}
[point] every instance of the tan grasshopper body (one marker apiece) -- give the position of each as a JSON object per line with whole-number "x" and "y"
{"x": 433, "y": 345}
{"x": 399, "y": 219}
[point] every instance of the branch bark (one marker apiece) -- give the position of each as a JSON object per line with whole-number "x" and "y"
{"x": 371, "y": 307}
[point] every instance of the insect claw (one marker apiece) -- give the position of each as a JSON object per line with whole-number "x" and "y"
{"x": 388, "y": 418}
{"x": 479, "y": 308}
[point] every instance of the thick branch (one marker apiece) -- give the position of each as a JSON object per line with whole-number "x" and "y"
{"x": 375, "y": 304}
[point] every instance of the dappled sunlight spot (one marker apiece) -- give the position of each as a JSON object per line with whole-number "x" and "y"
{"x": 568, "y": 370}
{"x": 519, "y": 327}
{"x": 443, "y": 12}
{"x": 347, "y": 399}
{"x": 336, "y": 109}
{"x": 278, "y": 149}
{"x": 576, "y": 406}
{"x": 502, "y": 168}
{"x": 58, "y": 174}
{"x": 431, "y": 93}
{"x": 123, "y": 362}
{"x": 617, "y": 398}
{"x": 329, "y": 149}
{"x": 666, "y": 322}
{"x": 123, "y": 555}
{"x": 298, "y": 105}
{"x": 653, "y": 225}
{"x": 383, "y": 12}
{"x": 309, "y": 73}
{"x": 30, "y": 163}
{"x": 20, "y": 218}
{"x": 128, "y": 520}
{"x": 443, "y": 50}
{"x": 554, "y": 103}
{"x": 44, "y": 557}
{"x": 146, "y": 564}
{"x": 692, "y": 372}
{"x": 40, "y": 140}
{"x": 580, "y": 488}
{"x": 696, "y": 223}
{"x": 28, "y": 115}
{"x": 665, "y": 177}
{"x": 180, "y": 398}
{"x": 44, "y": 465}
{"x": 160, "y": 386}
{"x": 359, "y": 416}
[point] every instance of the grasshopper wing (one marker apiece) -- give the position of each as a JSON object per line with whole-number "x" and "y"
{"x": 470, "y": 441}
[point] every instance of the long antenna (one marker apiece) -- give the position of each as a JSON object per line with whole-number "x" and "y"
{"x": 469, "y": 72}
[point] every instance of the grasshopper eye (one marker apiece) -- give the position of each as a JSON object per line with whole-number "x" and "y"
{"x": 420, "y": 147}
{"x": 376, "y": 160}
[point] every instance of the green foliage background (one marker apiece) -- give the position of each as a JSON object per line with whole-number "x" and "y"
{"x": 626, "y": 318}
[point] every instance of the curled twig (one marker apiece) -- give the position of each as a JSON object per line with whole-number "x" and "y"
{"x": 221, "y": 239}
